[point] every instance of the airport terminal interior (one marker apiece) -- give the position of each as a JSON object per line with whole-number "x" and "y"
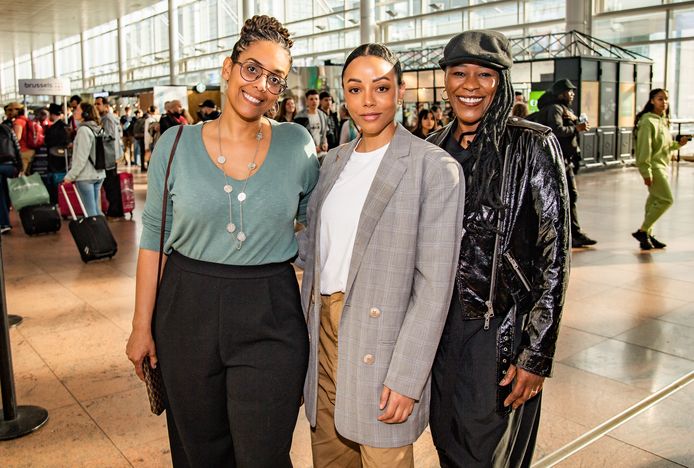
{"x": 621, "y": 394}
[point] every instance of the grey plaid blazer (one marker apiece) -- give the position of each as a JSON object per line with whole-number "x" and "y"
{"x": 398, "y": 289}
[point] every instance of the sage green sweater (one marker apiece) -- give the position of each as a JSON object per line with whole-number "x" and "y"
{"x": 654, "y": 145}
{"x": 198, "y": 206}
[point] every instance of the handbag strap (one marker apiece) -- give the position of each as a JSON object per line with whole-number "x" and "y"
{"x": 163, "y": 211}
{"x": 497, "y": 245}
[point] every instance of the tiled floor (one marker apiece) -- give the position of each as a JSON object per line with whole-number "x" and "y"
{"x": 627, "y": 331}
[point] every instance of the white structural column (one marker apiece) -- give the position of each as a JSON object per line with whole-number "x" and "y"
{"x": 83, "y": 61}
{"x": 121, "y": 54}
{"x": 54, "y": 55}
{"x": 578, "y": 14}
{"x": 248, "y": 10}
{"x": 173, "y": 42}
{"x": 367, "y": 27}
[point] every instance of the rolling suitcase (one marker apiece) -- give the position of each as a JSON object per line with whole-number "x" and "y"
{"x": 40, "y": 219}
{"x": 122, "y": 191}
{"x": 127, "y": 191}
{"x": 92, "y": 235}
{"x": 69, "y": 196}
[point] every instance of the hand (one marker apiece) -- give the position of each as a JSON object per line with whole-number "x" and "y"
{"x": 397, "y": 407}
{"x": 66, "y": 180}
{"x": 582, "y": 127}
{"x": 527, "y": 386}
{"x": 324, "y": 147}
{"x": 141, "y": 344}
{"x": 684, "y": 139}
{"x": 648, "y": 181}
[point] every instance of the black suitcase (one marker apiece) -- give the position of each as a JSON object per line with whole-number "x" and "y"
{"x": 40, "y": 219}
{"x": 92, "y": 235}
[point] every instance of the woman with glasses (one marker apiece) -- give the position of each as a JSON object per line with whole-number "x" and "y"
{"x": 228, "y": 332}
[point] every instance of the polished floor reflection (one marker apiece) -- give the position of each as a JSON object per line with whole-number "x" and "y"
{"x": 627, "y": 331}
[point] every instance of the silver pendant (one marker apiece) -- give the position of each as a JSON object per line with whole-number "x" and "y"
{"x": 228, "y": 188}
{"x": 221, "y": 159}
{"x": 231, "y": 227}
{"x": 241, "y": 197}
{"x": 241, "y": 236}
{"x": 251, "y": 166}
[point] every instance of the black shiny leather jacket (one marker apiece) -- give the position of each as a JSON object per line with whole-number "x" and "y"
{"x": 533, "y": 255}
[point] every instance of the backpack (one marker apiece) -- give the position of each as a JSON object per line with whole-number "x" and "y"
{"x": 99, "y": 162}
{"x": 139, "y": 128}
{"x": 8, "y": 148}
{"x": 33, "y": 134}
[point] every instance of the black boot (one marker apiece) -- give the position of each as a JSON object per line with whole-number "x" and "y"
{"x": 643, "y": 239}
{"x": 656, "y": 243}
{"x": 581, "y": 240}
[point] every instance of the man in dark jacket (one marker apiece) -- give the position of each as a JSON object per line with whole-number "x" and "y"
{"x": 10, "y": 166}
{"x": 555, "y": 112}
{"x": 208, "y": 110}
{"x": 499, "y": 340}
{"x": 57, "y": 142}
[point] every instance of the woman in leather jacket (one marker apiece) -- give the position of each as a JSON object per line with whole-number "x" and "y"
{"x": 500, "y": 336}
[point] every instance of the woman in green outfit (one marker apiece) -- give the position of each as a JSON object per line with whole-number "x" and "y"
{"x": 654, "y": 146}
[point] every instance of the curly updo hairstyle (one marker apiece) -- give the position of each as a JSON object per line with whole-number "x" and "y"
{"x": 261, "y": 28}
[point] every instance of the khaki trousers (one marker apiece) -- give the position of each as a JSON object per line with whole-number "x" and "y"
{"x": 27, "y": 157}
{"x": 329, "y": 448}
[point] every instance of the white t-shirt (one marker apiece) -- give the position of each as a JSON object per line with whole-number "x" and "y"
{"x": 314, "y": 127}
{"x": 340, "y": 218}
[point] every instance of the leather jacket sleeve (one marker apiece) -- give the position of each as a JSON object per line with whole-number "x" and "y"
{"x": 555, "y": 121}
{"x": 551, "y": 265}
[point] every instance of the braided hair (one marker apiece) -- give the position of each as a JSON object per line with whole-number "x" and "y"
{"x": 484, "y": 181}
{"x": 261, "y": 28}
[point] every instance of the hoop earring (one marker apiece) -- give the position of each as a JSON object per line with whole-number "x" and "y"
{"x": 444, "y": 95}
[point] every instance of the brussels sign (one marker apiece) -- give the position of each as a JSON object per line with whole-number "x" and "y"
{"x": 45, "y": 87}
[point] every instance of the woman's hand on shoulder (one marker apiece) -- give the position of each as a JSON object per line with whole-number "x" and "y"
{"x": 141, "y": 344}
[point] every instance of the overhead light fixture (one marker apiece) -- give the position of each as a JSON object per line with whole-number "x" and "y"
{"x": 198, "y": 49}
{"x": 353, "y": 21}
{"x": 321, "y": 27}
{"x": 391, "y": 13}
{"x": 436, "y": 6}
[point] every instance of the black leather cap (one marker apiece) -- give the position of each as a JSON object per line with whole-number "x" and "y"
{"x": 562, "y": 85}
{"x": 488, "y": 48}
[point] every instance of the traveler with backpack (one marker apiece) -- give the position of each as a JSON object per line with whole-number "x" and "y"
{"x": 112, "y": 152}
{"x": 10, "y": 166}
{"x": 87, "y": 169}
{"x": 29, "y": 134}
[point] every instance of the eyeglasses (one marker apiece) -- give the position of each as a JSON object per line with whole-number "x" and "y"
{"x": 251, "y": 71}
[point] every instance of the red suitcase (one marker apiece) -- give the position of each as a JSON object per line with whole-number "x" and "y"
{"x": 127, "y": 194}
{"x": 63, "y": 205}
{"x": 127, "y": 190}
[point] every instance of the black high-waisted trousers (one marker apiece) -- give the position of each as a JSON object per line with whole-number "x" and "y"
{"x": 232, "y": 344}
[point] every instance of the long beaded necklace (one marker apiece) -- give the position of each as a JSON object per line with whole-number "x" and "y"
{"x": 231, "y": 228}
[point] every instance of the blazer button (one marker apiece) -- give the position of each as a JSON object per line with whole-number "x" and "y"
{"x": 369, "y": 359}
{"x": 374, "y": 312}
